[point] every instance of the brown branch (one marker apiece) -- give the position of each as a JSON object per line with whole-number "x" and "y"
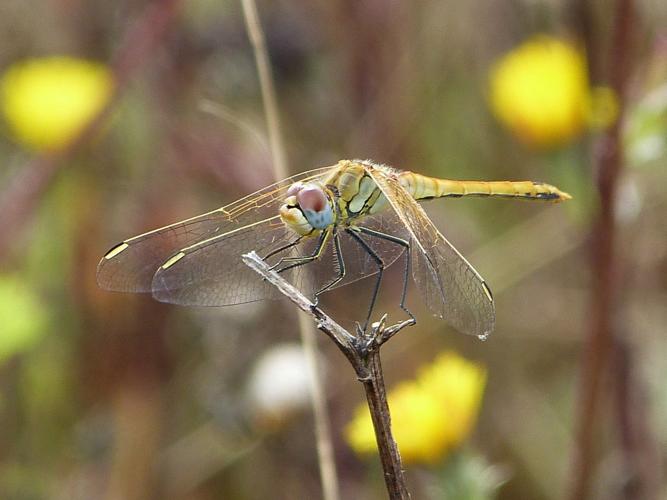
{"x": 363, "y": 353}
{"x": 336, "y": 332}
{"x": 22, "y": 194}
{"x": 598, "y": 348}
{"x": 376, "y": 396}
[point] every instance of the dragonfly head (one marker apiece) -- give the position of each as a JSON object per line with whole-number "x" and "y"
{"x": 307, "y": 207}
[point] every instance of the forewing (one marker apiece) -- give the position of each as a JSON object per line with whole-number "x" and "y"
{"x": 212, "y": 273}
{"x": 130, "y": 265}
{"x": 452, "y": 288}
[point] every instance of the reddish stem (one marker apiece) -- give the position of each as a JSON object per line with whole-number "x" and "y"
{"x": 598, "y": 349}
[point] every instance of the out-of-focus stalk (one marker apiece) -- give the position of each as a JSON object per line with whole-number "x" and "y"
{"x": 598, "y": 349}
{"x": 329, "y": 478}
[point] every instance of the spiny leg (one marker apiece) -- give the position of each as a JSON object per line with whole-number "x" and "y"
{"x": 338, "y": 255}
{"x": 408, "y": 261}
{"x": 305, "y": 259}
{"x": 282, "y": 249}
{"x": 380, "y": 264}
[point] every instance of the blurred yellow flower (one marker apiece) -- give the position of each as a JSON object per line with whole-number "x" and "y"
{"x": 22, "y": 317}
{"x": 540, "y": 91}
{"x": 48, "y": 101}
{"x": 430, "y": 415}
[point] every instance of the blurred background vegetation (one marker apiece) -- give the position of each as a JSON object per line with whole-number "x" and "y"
{"x": 122, "y": 116}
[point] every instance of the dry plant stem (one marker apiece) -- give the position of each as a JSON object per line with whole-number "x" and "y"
{"x": 325, "y": 450}
{"x": 599, "y": 344}
{"x": 256, "y": 36}
{"x": 363, "y": 353}
{"x": 325, "y": 454}
{"x": 377, "y": 403}
{"x": 23, "y": 192}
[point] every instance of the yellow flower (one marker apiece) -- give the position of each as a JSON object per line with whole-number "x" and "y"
{"x": 540, "y": 91}
{"x": 460, "y": 385}
{"x": 48, "y": 101}
{"x": 430, "y": 415}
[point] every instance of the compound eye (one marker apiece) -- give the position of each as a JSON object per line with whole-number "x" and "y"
{"x": 311, "y": 198}
{"x": 294, "y": 189}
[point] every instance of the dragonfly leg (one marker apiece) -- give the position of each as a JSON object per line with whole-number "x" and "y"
{"x": 282, "y": 249}
{"x": 293, "y": 262}
{"x": 380, "y": 264}
{"x": 338, "y": 254}
{"x": 408, "y": 261}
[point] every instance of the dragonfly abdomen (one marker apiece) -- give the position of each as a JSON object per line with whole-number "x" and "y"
{"x": 422, "y": 187}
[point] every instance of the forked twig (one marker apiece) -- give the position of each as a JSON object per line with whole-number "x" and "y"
{"x": 363, "y": 353}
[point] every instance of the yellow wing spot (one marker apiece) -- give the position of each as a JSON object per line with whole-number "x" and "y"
{"x": 116, "y": 250}
{"x": 173, "y": 260}
{"x": 487, "y": 290}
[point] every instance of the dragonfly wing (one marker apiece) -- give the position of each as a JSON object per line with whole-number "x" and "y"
{"x": 212, "y": 273}
{"x": 359, "y": 263}
{"x": 130, "y": 265}
{"x": 452, "y": 288}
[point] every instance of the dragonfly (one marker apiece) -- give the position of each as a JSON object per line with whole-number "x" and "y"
{"x": 323, "y": 229}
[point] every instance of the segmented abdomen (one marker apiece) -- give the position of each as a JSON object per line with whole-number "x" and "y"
{"x": 422, "y": 187}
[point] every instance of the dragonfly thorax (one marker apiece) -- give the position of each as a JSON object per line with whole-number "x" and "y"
{"x": 308, "y": 207}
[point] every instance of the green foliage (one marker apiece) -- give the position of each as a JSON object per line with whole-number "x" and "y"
{"x": 23, "y": 318}
{"x": 466, "y": 476}
{"x": 646, "y": 132}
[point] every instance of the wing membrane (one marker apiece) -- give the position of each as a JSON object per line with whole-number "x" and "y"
{"x": 212, "y": 273}
{"x": 130, "y": 266}
{"x": 452, "y": 288}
